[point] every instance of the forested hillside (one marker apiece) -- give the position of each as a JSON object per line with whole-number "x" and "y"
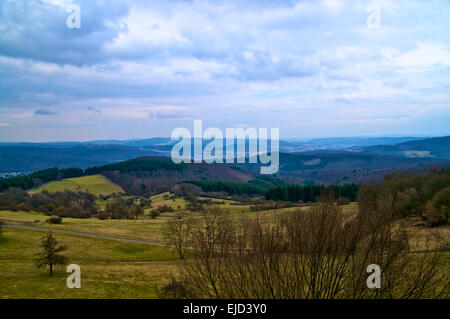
{"x": 425, "y": 195}
{"x": 311, "y": 193}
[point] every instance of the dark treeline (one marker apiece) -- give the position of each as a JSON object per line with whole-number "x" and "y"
{"x": 426, "y": 195}
{"x": 62, "y": 204}
{"x": 143, "y": 164}
{"x": 311, "y": 193}
{"x": 254, "y": 187}
{"x": 38, "y": 178}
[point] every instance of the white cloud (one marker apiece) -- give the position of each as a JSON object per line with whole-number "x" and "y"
{"x": 424, "y": 57}
{"x": 334, "y": 4}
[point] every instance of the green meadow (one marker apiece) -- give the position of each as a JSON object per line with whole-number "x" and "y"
{"x": 109, "y": 269}
{"x": 95, "y": 184}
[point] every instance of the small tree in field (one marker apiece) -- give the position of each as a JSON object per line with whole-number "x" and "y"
{"x": 50, "y": 254}
{"x": 138, "y": 211}
{"x": 154, "y": 213}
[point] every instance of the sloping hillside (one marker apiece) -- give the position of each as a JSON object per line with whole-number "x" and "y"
{"x": 95, "y": 184}
{"x": 151, "y": 175}
{"x": 435, "y": 147}
{"x": 332, "y": 167}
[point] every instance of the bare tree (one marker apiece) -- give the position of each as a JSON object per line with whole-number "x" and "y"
{"x": 50, "y": 254}
{"x": 178, "y": 232}
{"x": 318, "y": 253}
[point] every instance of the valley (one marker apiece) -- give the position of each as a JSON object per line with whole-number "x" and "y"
{"x": 127, "y": 224}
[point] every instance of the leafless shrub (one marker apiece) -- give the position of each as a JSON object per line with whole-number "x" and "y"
{"x": 178, "y": 234}
{"x": 174, "y": 289}
{"x": 320, "y": 252}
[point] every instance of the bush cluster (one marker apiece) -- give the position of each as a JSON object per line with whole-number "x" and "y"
{"x": 404, "y": 195}
{"x": 62, "y": 204}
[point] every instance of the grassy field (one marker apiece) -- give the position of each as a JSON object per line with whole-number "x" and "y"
{"x": 179, "y": 204}
{"x": 95, "y": 184}
{"x": 109, "y": 269}
{"x": 164, "y": 199}
{"x": 152, "y": 230}
{"x": 140, "y": 229}
{"x": 143, "y": 228}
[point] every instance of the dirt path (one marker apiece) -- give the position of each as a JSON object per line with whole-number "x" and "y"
{"x": 133, "y": 241}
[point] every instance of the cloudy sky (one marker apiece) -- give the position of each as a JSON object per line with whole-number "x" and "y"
{"x": 138, "y": 69}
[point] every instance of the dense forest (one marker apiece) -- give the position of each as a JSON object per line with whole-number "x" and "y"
{"x": 257, "y": 186}
{"x": 311, "y": 193}
{"x": 144, "y": 164}
{"x": 426, "y": 195}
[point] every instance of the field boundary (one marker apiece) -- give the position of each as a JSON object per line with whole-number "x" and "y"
{"x": 69, "y": 232}
{"x": 144, "y": 242}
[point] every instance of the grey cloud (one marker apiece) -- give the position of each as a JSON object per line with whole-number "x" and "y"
{"x": 37, "y": 30}
{"x": 44, "y": 112}
{"x": 296, "y": 56}
{"x": 169, "y": 115}
{"x": 93, "y": 109}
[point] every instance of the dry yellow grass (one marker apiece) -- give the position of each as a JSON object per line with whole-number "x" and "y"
{"x": 109, "y": 269}
{"x": 141, "y": 229}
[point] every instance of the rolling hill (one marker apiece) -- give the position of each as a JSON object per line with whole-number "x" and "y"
{"x": 144, "y": 166}
{"x": 95, "y": 184}
{"x": 435, "y": 147}
{"x": 28, "y": 157}
{"x": 22, "y": 158}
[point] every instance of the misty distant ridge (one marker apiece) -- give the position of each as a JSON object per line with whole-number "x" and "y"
{"x": 319, "y": 142}
{"x": 26, "y": 157}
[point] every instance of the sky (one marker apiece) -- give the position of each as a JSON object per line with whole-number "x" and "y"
{"x": 140, "y": 69}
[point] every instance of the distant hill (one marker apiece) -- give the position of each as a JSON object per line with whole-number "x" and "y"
{"x": 26, "y": 157}
{"x": 139, "y": 176}
{"x": 346, "y": 142}
{"x": 140, "y": 164}
{"x": 22, "y": 158}
{"x": 320, "y": 160}
{"x": 435, "y": 147}
{"x": 341, "y": 166}
{"x": 154, "y": 141}
{"x": 151, "y": 175}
